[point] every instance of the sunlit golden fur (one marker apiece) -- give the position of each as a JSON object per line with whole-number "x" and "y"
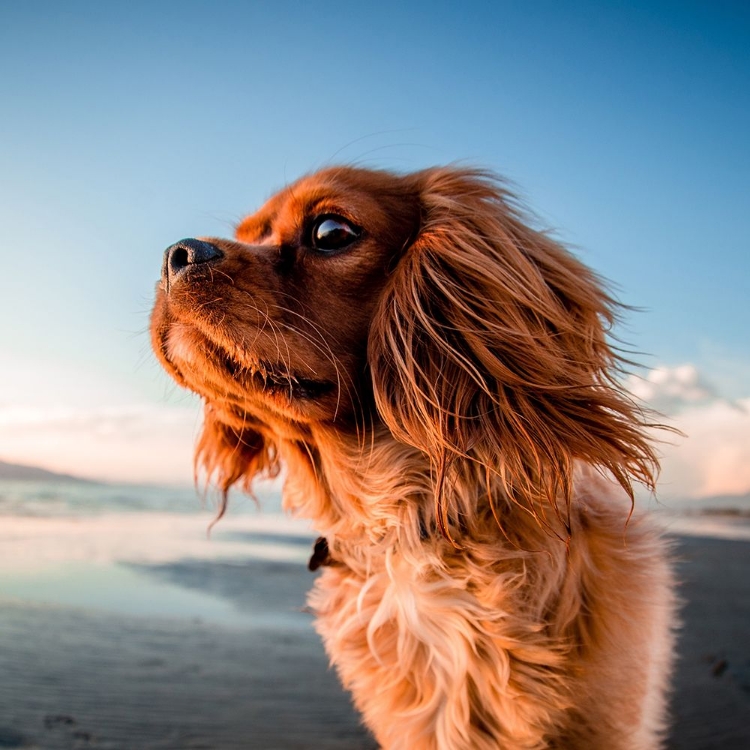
{"x": 445, "y": 401}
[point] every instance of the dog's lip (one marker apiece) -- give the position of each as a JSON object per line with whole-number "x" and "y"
{"x": 275, "y": 380}
{"x": 268, "y": 378}
{"x": 248, "y": 371}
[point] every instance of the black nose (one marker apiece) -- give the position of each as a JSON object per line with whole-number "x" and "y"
{"x": 186, "y": 253}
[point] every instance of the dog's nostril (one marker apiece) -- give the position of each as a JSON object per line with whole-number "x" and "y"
{"x": 187, "y": 253}
{"x": 179, "y": 258}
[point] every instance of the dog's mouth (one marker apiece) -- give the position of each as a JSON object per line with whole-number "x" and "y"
{"x": 208, "y": 366}
{"x": 274, "y": 380}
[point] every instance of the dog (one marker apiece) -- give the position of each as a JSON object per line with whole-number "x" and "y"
{"x": 436, "y": 377}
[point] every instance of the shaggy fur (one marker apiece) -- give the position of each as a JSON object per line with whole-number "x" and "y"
{"x": 442, "y": 393}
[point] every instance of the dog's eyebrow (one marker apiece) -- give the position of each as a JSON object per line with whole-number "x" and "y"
{"x": 329, "y": 205}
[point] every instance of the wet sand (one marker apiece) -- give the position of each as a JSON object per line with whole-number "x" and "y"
{"x": 74, "y": 678}
{"x": 711, "y": 702}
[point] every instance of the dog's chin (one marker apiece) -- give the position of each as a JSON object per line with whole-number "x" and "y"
{"x": 242, "y": 382}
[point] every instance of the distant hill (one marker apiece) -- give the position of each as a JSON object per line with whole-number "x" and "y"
{"x": 742, "y": 499}
{"x": 20, "y": 472}
{"x": 717, "y": 505}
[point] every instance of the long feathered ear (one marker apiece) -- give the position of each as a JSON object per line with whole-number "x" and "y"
{"x": 232, "y": 450}
{"x": 490, "y": 347}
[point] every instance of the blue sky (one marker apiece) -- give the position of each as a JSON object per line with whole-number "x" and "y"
{"x": 125, "y": 127}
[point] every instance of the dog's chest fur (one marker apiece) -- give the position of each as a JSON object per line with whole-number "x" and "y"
{"x": 446, "y": 648}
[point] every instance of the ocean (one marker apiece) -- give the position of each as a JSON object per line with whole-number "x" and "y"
{"x": 55, "y": 498}
{"x": 134, "y": 550}
{"x": 139, "y": 550}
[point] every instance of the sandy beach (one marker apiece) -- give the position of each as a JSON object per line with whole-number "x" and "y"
{"x": 76, "y": 677}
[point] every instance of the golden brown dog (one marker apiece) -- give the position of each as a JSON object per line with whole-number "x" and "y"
{"x": 436, "y": 378}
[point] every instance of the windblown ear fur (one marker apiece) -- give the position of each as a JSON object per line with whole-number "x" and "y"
{"x": 490, "y": 347}
{"x": 230, "y": 450}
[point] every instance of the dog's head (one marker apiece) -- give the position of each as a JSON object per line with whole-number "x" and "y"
{"x": 423, "y": 303}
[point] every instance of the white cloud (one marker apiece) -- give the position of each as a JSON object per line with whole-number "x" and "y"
{"x": 671, "y": 389}
{"x": 134, "y": 442}
{"x": 70, "y": 418}
{"x": 713, "y": 457}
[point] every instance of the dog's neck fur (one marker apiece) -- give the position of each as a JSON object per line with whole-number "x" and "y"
{"x": 373, "y": 495}
{"x": 357, "y": 490}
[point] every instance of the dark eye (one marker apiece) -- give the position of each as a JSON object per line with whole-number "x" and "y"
{"x": 331, "y": 233}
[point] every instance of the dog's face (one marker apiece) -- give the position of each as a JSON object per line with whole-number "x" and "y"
{"x": 274, "y": 324}
{"x": 422, "y": 303}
